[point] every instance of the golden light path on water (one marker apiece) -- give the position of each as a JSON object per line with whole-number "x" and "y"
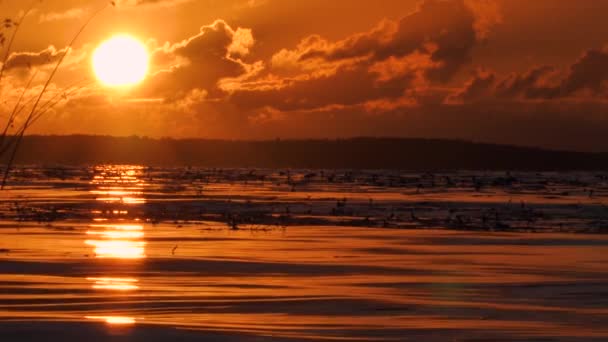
{"x": 117, "y": 320}
{"x": 116, "y": 241}
{"x": 118, "y": 184}
{"x": 119, "y": 284}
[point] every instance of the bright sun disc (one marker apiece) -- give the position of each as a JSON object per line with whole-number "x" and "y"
{"x": 121, "y": 61}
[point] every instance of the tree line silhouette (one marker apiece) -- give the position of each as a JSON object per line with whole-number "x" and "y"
{"x": 355, "y": 153}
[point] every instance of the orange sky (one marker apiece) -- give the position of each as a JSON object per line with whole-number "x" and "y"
{"x": 505, "y": 71}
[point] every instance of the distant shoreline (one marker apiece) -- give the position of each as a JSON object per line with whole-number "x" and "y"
{"x": 356, "y": 153}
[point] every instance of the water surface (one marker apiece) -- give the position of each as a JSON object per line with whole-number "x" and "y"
{"x": 117, "y": 254}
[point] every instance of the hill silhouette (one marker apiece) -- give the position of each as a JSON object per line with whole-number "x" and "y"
{"x": 355, "y": 153}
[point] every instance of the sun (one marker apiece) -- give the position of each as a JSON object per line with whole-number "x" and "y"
{"x": 121, "y": 61}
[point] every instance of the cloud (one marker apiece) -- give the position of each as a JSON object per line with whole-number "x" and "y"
{"x": 200, "y": 61}
{"x": 242, "y": 41}
{"x": 33, "y": 59}
{"x": 389, "y": 62}
{"x": 73, "y": 13}
{"x": 446, "y": 30}
{"x": 478, "y": 87}
{"x": 120, "y": 3}
{"x": 586, "y": 78}
{"x": 487, "y": 15}
{"x": 590, "y": 73}
{"x": 347, "y": 86}
{"x": 255, "y": 3}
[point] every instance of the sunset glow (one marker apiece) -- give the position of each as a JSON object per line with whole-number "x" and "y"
{"x": 283, "y": 170}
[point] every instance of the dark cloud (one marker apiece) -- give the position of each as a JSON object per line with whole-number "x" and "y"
{"x": 34, "y": 59}
{"x": 587, "y": 78}
{"x": 590, "y": 72}
{"x": 447, "y": 30}
{"x": 348, "y": 86}
{"x": 527, "y": 84}
{"x": 479, "y": 87}
{"x": 200, "y": 61}
{"x": 395, "y": 57}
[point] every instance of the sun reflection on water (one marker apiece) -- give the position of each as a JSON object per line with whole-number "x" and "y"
{"x": 113, "y": 320}
{"x": 117, "y": 241}
{"x": 116, "y": 284}
{"x": 118, "y": 184}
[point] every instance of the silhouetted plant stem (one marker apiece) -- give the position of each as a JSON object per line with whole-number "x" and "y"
{"x": 12, "y": 40}
{"x": 16, "y": 110}
{"x": 51, "y": 103}
{"x": 47, "y": 106}
{"x": 42, "y": 92}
